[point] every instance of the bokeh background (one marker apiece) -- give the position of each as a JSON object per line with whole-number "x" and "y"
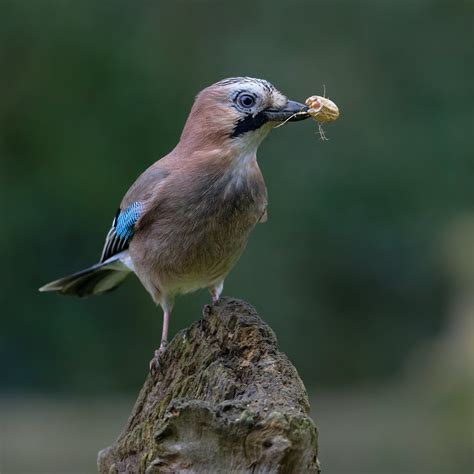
{"x": 365, "y": 268}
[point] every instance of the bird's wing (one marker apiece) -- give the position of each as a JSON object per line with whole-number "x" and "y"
{"x": 122, "y": 230}
{"x": 145, "y": 187}
{"x": 133, "y": 207}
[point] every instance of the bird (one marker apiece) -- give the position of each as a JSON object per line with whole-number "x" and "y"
{"x": 185, "y": 221}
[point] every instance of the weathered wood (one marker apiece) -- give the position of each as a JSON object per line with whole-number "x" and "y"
{"x": 224, "y": 400}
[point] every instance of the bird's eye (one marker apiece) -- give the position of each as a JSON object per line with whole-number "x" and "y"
{"x": 246, "y": 101}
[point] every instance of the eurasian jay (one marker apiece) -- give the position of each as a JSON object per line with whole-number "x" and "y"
{"x": 185, "y": 221}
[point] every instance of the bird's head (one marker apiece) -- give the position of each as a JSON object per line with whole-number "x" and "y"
{"x": 238, "y": 113}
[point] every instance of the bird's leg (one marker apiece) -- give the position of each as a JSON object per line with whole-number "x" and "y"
{"x": 216, "y": 292}
{"x": 215, "y": 295}
{"x": 155, "y": 362}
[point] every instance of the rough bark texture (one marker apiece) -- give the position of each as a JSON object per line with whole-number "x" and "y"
{"x": 224, "y": 400}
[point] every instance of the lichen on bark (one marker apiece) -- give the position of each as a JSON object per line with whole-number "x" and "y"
{"x": 223, "y": 400}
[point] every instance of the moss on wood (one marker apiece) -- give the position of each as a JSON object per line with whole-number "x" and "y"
{"x": 223, "y": 400}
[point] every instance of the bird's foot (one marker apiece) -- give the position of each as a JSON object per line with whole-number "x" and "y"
{"x": 216, "y": 292}
{"x": 155, "y": 362}
{"x": 207, "y": 310}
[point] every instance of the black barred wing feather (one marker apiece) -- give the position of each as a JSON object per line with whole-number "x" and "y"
{"x": 123, "y": 228}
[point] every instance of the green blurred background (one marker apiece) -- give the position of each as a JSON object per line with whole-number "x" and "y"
{"x": 364, "y": 268}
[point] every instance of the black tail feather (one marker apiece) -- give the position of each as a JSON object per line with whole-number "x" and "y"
{"x": 95, "y": 280}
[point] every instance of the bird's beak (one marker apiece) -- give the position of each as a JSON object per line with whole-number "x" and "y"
{"x": 292, "y": 111}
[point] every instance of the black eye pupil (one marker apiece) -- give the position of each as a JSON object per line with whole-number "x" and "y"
{"x": 247, "y": 100}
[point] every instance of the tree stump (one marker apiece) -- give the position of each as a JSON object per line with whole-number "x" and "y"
{"x": 224, "y": 400}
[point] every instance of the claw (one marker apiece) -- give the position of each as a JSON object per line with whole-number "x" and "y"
{"x": 207, "y": 310}
{"x": 155, "y": 362}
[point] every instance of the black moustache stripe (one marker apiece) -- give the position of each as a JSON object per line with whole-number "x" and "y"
{"x": 249, "y": 123}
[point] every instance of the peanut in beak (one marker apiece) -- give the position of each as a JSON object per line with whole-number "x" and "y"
{"x": 321, "y": 109}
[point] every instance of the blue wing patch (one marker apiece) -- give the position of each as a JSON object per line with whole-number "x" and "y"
{"x": 123, "y": 228}
{"x": 126, "y": 220}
